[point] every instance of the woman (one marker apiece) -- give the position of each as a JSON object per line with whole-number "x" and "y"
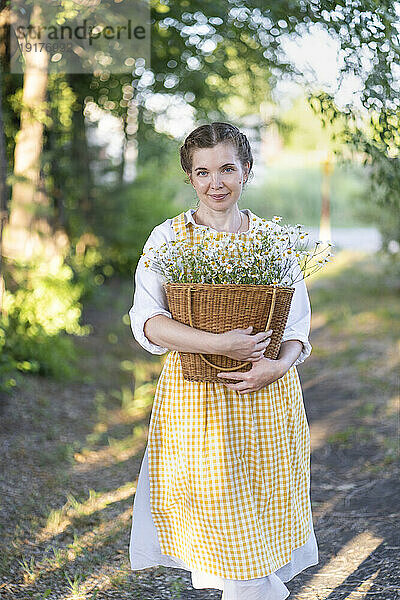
{"x": 226, "y": 464}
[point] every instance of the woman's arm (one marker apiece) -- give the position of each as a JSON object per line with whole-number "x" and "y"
{"x": 289, "y": 353}
{"x": 239, "y": 344}
{"x": 162, "y": 331}
{"x": 149, "y": 298}
{"x": 264, "y": 371}
{"x": 299, "y": 320}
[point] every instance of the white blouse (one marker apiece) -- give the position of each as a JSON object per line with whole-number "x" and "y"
{"x": 150, "y": 299}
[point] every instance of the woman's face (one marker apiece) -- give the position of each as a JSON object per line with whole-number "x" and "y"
{"x": 217, "y": 176}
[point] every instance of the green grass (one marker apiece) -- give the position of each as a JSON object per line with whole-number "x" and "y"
{"x": 350, "y": 436}
{"x": 356, "y": 297}
{"x": 295, "y": 194}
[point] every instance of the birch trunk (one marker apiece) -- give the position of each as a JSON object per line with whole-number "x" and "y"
{"x": 28, "y": 232}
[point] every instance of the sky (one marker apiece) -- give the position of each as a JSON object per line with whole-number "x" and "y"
{"x": 318, "y": 55}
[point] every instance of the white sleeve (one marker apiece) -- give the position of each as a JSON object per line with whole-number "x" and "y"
{"x": 298, "y": 323}
{"x": 149, "y": 297}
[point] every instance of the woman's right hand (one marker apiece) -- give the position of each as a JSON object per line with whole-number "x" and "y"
{"x": 241, "y": 344}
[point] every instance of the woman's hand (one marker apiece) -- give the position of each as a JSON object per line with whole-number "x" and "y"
{"x": 263, "y": 372}
{"x": 241, "y": 345}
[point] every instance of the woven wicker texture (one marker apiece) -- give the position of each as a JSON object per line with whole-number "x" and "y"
{"x": 218, "y": 308}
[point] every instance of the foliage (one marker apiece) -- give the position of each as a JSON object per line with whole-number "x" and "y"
{"x": 155, "y": 146}
{"x": 90, "y": 266}
{"x": 377, "y": 142}
{"x": 8, "y": 365}
{"x": 126, "y": 214}
{"x": 303, "y": 130}
{"x": 42, "y": 308}
{"x": 387, "y": 219}
{"x": 198, "y": 46}
{"x": 374, "y": 137}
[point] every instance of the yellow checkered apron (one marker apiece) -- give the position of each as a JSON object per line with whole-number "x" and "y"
{"x": 229, "y": 474}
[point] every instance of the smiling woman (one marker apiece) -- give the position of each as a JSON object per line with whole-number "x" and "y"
{"x": 223, "y": 489}
{"x": 218, "y": 174}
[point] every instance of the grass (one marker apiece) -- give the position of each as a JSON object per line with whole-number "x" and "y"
{"x": 28, "y": 569}
{"x": 176, "y": 588}
{"x": 294, "y": 192}
{"x": 357, "y": 303}
{"x": 350, "y": 436}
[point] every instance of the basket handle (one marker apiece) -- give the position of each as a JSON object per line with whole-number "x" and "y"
{"x": 271, "y": 312}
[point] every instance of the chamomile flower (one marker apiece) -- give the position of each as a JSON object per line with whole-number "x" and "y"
{"x": 264, "y": 255}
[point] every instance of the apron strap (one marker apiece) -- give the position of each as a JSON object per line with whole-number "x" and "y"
{"x": 179, "y": 226}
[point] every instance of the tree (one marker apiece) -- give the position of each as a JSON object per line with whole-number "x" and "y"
{"x": 4, "y": 192}
{"x": 28, "y": 231}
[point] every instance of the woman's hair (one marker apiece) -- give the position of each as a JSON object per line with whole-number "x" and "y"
{"x": 211, "y": 134}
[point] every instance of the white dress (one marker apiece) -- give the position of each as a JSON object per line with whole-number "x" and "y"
{"x": 144, "y": 549}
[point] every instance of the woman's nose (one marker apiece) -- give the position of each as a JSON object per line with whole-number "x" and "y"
{"x": 216, "y": 180}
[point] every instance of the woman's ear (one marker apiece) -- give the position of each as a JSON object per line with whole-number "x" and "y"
{"x": 188, "y": 178}
{"x": 246, "y": 171}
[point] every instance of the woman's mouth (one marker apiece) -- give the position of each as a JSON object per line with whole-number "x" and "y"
{"x": 218, "y": 196}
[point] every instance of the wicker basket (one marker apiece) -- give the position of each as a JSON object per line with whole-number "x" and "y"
{"x": 221, "y": 307}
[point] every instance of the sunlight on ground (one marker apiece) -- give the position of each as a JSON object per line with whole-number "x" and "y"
{"x": 119, "y": 450}
{"x": 341, "y": 260}
{"x": 90, "y": 543}
{"x": 363, "y": 588}
{"x": 341, "y": 566}
{"x": 393, "y": 407}
{"x": 59, "y": 519}
{"x": 322, "y": 429}
{"x": 135, "y": 406}
{"x": 318, "y": 320}
{"x": 106, "y": 576}
{"x": 324, "y": 508}
{"x": 368, "y": 321}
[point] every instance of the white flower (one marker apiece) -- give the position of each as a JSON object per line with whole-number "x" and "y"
{"x": 267, "y": 254}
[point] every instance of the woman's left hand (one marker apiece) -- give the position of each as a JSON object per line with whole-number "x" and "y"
{"x": 263, "y": 372}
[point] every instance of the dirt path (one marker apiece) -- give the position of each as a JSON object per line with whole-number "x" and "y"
{"x": 71, "y": 453}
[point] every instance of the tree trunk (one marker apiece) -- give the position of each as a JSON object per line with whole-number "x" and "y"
{"x": 28, "y": 232}
{"x": 325, "y": 221}
{"x": 80, "y": 148}
{"x": 121, "y": 166}
{"x": 4, "y": 192}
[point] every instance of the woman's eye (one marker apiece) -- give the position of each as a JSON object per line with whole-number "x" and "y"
{"x": 205, "y": 172}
